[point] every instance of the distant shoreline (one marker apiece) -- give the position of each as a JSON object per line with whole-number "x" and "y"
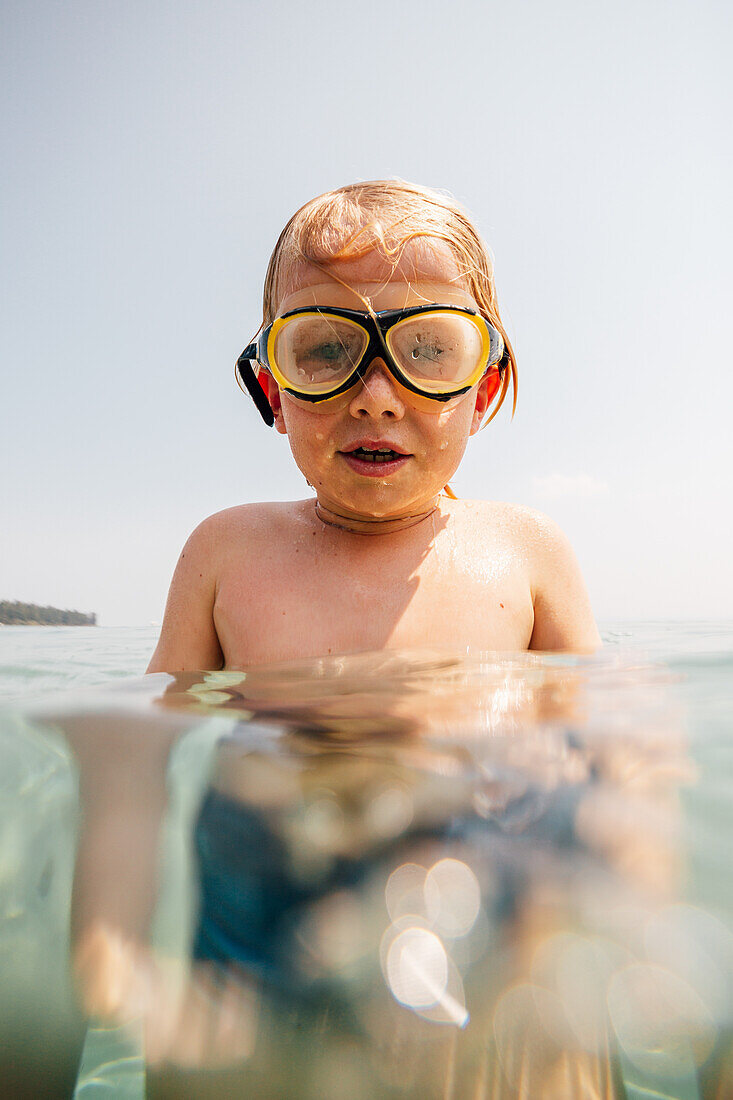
{"x": 15, "y": 613}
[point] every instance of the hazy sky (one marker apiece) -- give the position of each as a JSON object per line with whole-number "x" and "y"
{"x": 152, "y": 152}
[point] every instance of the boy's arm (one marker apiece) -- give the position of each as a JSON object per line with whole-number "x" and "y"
{"x": 563, "y": 619}
{"x": 188, "y": 639}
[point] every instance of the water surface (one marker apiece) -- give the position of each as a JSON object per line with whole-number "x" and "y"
{"x": 397, "y": 874}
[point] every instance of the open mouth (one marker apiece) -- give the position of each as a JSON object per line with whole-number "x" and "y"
{"x": 374, "y": 461}
{"x": 383, "y": 454}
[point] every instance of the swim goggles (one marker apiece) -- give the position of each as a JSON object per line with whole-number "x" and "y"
{"x": 317, "y": 353}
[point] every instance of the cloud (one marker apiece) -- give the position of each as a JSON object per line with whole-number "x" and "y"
{"x": 569, "y": 485}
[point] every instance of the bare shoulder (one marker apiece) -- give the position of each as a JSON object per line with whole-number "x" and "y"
{"x": 526, "y": 527}
{"x": 245, "y": 517}
{"x": 563, "y": 619}
{"x": 229, "y": 529}
{"x": 220, "y": 545}
{"x": 538, "y": 532}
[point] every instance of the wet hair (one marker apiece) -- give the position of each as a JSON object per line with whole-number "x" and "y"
{"x": 386, "y": 215}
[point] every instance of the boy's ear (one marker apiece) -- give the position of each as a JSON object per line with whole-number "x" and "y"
{"x": 487, "y": 390}
{"x": 272, "y": 393}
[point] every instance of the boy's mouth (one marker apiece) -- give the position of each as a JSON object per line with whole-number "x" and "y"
{"x": 374, "y": 458}
{"x": 384, "y": 454}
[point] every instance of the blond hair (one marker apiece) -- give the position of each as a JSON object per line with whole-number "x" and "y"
{"x": 385, "y": 215}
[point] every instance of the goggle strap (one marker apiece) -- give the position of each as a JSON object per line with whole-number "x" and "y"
{"x": 254, "y": 389}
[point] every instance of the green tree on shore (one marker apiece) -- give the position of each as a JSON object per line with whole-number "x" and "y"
{"x": 15, "y": 613}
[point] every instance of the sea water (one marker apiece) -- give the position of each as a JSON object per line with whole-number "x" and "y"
{"x": 404, "y": 874}
{"x": 38, "y": 659}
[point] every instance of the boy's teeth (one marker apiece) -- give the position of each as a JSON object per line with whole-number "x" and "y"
{"x": 384, "y": 454}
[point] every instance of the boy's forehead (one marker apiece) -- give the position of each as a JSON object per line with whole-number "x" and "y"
{"x": 426, "y": 271}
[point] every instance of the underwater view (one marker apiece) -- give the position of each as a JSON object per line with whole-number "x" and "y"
{"x": 395, "y": 874}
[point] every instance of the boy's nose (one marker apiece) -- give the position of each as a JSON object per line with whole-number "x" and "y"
{"x": 377, "y": 395}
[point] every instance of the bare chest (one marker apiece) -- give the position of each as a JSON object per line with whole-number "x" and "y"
{"x": 309, "y": 603}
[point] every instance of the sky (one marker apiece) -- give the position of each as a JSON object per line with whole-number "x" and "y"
{"x": 154, "y": 150}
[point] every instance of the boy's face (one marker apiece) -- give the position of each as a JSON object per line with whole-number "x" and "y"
{"x": 378, "y": 412}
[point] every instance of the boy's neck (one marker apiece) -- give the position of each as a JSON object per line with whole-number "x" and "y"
{"x": 369, "y": 526}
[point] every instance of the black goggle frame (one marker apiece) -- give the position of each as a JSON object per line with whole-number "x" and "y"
{"x": 377, "y": 325}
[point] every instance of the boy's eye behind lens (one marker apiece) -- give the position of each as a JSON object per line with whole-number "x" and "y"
{"x": 316, "y": 350}
{"x": 312, "y": 364}
{"x": 327, "y": 353}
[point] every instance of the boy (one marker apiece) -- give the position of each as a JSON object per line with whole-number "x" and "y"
{"x": 382, "y": 352}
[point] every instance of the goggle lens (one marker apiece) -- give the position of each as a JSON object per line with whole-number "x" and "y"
{"x": 438, "y": 352}
{"x": 316, "y": 352}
